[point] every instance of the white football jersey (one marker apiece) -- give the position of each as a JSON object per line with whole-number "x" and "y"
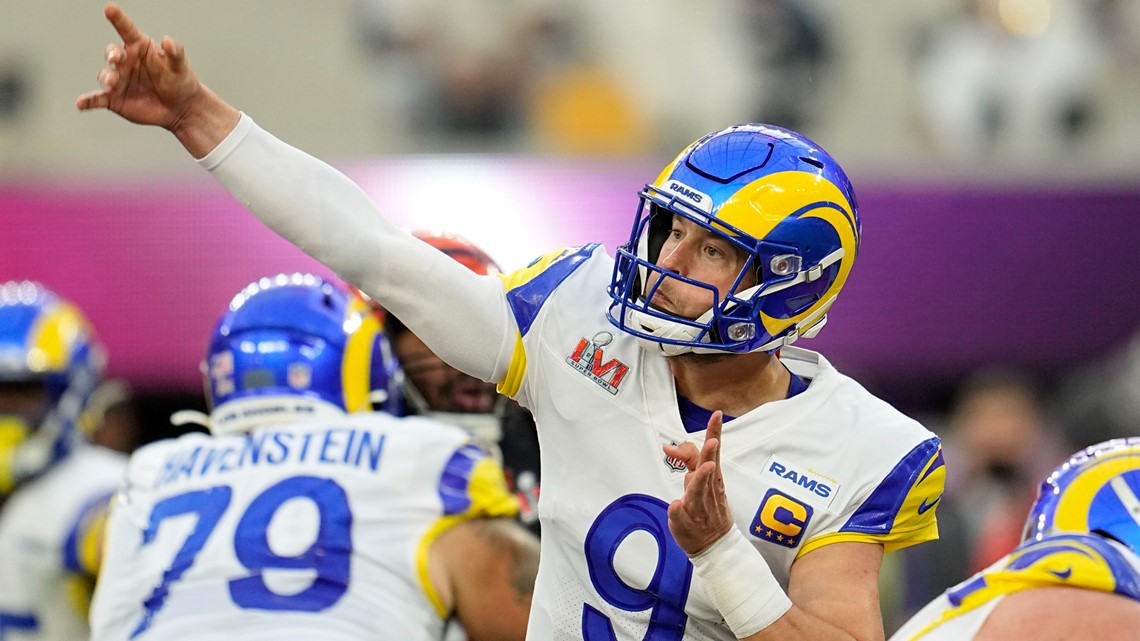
{"x": 50, "y": 536}
{"x": 830, "y": 464}
{"x": 294, "y": 531}
{"x": 1062, "y": 560}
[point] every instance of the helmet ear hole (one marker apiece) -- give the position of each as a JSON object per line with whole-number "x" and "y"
{"x": 800, "y": 303}
{"x": 660, "y": 224}
{"x": 1108, "y": 535}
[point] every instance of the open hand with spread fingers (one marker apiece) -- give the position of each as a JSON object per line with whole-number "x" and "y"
{"x": 701, "y": 515}
{"x": 151, "y": 83}
{"x": 146, "y": 82}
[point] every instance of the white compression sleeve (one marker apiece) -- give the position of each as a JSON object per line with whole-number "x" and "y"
{"x": 461, "y": 316}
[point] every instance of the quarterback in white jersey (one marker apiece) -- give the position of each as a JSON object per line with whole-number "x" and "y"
{"x": 794, "y": 481}
{"x": 54, "y": 485}
{"x": 740, "y": 247}
{"x": 297, "y": 519}
{"x": 1076, "y": 576}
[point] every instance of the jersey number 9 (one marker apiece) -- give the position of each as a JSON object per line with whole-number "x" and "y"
{"x": 666, "y": 593}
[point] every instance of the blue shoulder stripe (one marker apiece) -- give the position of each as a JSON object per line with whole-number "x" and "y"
{"x": 80, "y": 528}
{"x": 456, "y": 478}
{"x": 878, "y": 513}
{"x": 1125, "y": 576}
{"x": 537, "y": 282}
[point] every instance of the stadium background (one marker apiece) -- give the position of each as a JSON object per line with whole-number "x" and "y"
{"x": 1013, "y": 249}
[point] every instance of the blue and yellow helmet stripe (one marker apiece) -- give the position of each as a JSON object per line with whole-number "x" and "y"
{"x": 776, "y": 196}
{"x": 1097, "y": 490}
{"x": 299, "y": 335}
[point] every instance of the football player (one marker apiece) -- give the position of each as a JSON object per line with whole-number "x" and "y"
{"x": 303, "y": 514}
{"x": 739, "y": 248}
{"x": 1076, "y": 574}
{"x": 435, "y": 389}
{"x": 54, "y": 485}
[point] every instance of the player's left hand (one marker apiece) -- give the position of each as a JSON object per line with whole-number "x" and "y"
{"x": 701, "y": 515}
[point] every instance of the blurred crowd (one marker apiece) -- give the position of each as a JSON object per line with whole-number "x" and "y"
{"x": 1015, "y": 84}
{"x": 1005, "y": 429}
{"x": 1016, "y": 81}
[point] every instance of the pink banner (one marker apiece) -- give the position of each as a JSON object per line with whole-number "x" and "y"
{"x": 946, "y": 280}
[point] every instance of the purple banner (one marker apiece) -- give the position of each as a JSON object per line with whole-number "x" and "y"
{"x": 946, "y": 280}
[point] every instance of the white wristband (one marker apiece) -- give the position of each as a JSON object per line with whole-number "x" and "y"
{"x": 740, "y": 584}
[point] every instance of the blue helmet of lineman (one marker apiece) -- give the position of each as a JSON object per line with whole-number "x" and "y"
{"x": 777, "y": 197}
{"x": 296, "y": 345}
{"x": 1097, "y": 491}
{"x": 47, "y": 346}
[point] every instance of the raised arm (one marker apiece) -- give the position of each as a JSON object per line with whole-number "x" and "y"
{"x": 308, "y": 202}
{"x": 151, "y": 83}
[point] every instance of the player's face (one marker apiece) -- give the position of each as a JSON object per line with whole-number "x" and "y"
{"x": 694, "y": 252}
{"x": 445, "y": 388}
{"x": 23, "y": 407}
{"x": 26, "y": 400}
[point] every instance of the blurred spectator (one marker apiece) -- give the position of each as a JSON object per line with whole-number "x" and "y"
{"x": 461, "y": 71}
{"x": 1101, "y": 400}
{"x": 792, "y": 52}
{"x": 582, "y": 108}
{"x": 676, "y": 69}
{"x": 1011, "y": 79}
{"x": 1001, "y": 444}
{"x": 625, "y": 91}
{"x": 998, "y": 444}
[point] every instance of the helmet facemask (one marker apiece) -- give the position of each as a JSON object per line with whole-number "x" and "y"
{"x": 733, "y": 323}
{"x": 773, "y": 195}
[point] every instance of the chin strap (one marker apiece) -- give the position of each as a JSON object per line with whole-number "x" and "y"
{"x": 190, "y": 417}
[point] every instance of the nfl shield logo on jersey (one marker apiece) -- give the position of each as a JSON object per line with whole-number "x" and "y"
{"x": 300, "y": 376}
{"x": 672, "y": 462}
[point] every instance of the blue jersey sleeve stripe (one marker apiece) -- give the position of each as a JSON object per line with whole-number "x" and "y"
{"x": 939, "y": 461}
{"x": 877, "y": 514}
{"x": 528, "y": 298}
{"x": 456, "y": 479}
{"x": 1125, "y": 574}
{"x": 79, "y": 529}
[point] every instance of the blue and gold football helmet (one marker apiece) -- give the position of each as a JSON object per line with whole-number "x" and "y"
{"x": 293, "y": 346}
{"x": 50, "y": 364}
{"x": 1096, "y": 491}
{"x": 777, "y": 197}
